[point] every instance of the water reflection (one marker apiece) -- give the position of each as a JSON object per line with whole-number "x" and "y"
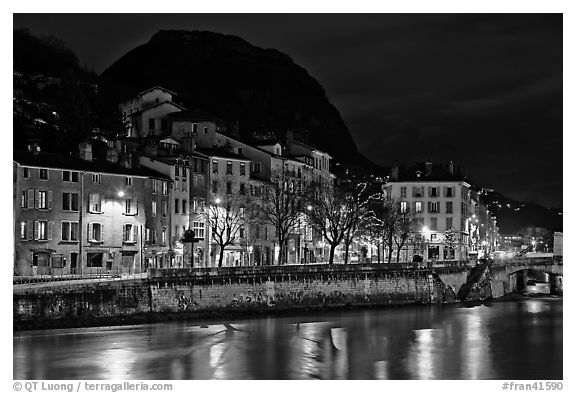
{"x": 504, "y": 341}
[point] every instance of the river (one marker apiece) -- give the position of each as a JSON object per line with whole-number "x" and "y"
{"x": 519, "y": 339}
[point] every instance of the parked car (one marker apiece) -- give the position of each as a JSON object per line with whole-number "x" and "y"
{"x": 534, "y": 287}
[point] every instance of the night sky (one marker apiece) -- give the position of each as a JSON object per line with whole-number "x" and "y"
{"x": 482, "y": 90}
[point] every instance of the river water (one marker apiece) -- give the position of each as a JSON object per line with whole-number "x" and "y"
{"x": 520, "y": 339}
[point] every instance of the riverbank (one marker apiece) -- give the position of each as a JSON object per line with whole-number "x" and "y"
{"x": 178, "y": 294}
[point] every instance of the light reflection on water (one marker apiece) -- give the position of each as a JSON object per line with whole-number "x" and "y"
{"x": 501, "y": 340}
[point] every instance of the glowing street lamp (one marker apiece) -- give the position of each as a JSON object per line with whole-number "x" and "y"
{"x": 121, "y": 194}
{"x": 217, "y": 200}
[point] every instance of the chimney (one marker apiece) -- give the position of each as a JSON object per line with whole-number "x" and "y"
{"x": 126, "y": 160}
{"x": 451, "y": 167}
{"x": 235, "y": 130}
{"x": 188, "y": 143}
{"x": 428, "y": 170}
{"x": 394, "y": 174}
{"x": 289, "y": 141}
{"x": 85, "y": 151}
{"x": 112, "y": 155}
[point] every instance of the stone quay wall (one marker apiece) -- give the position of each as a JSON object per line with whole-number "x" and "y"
{"x": 191, "y": 293}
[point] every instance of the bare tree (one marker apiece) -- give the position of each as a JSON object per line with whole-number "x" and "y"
{"x": 450, "y": 240}
{"x": 357, "y": 212}
{"x": 280, "y": 205}
{"x": 226, "y": 214}
{"x": 404, "y": 227}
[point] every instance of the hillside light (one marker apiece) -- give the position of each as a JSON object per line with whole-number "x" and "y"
{"x": 309, "y": 207}
{"x": 121, "y": 194}
{"x": 217, "y": 200}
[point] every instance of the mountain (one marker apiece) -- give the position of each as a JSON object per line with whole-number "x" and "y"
{"x": 262, "y": 89}
{"x": 514, "y": 215}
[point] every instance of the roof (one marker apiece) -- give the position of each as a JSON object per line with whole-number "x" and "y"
{"x": 59, "y": 161}
{"x": 438, "y": 172}
{"x": 156, "y": 87}
{"x": 312, "y": 148}
{"x": 155, "y": 105}
{"x": 221, "y": 152}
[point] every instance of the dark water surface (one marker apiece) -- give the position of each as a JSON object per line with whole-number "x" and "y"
{"x": 519, "y": 339}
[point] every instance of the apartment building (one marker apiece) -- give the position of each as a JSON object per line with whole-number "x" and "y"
{"x": 79, "y": 215}
{"x": 440, "y": 200}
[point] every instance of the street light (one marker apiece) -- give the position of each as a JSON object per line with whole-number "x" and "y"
{"x": 121, "y": 194}
{"x": 217, "y": 200}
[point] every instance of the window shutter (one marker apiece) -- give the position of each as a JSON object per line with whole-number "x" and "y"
{"x": 35, "y": 230}
{"x": 89, "y": 204}
{"x": 102, "y": 233}
{"x": 49, "y": 225}
{"x": 102, "y": 201}
{"x": 37, "y": 199}
{"x": 135, "y": 205}
{"x": 124, "y": 233}
{"x": 429, "y": 207}
{"x": 30, "y": 199}
{"x": 50, "y": 199}
{"x": 30, "y": 230}
{"x": 438, "y": 207}
{"x": 135, "y": 233}
{"x": 89, "y": 234}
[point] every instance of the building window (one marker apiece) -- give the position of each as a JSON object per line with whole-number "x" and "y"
{"x": 434, "y": 223}
{"x": 95, "y": 231}
{"x": 184, "y": 206}
{"x": 214, "y": 166}
{"x": 176, "y": 205}
{"x": 153, "y": 236}
{"x": 163, "y": 238}
{"x": 205, "y": 130}
{"x": 242, "y": 169}
{"x": 214, "y": 186}
{"x": 95, "y": 203}
{"x": 70, "y": 176}
{"x": 198, "y": 228}
{"x": 41, "y": 200}
{"x": 164, "y": 209}
{"x": 128, "y": 181}
{"x": 242, "y": 189}
{"x": 418, "y": 207}
{"x": 42, "y": 230}
{"x": 130, "y": 233}
{"x": 433, "y": 191}
{"x": 43, "y": 174}
{"x": 69, "y": 231}
{"x": 70, "y": 201}
{"x": 23, "y": 230}
{"x": 403, "y": 207}
{"x": 194, "y": 128}
{"x": 24, "y": 199}
{"x": 449, "y": 207}
{"x": 229, "y": 167}
{"x": 240, "y": 151}
{"x": 154, "y": 186}
{"x": 151, "y": 124}
{"x": 131, "y": 206}
{"x": 154, "y": 208}
{"x": 417, "y": 192}
{"x": 241, "y": 233}
{"x": 26, "y": 173}
{"x": 94, "y": 259}
{"x": 402, "y": 192}
{"x": 449, "y": 192}
{"x": 228, "y": 187}
{"x": 433, "y": 207}
{"x": 449, "y": 223}
{"x": 177, "y": 170}
{"x": 96, "y": 178}
{"x": 164, "y": 125}
{"x": 164, "y": 188}
{"x": 257, "y": 167}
